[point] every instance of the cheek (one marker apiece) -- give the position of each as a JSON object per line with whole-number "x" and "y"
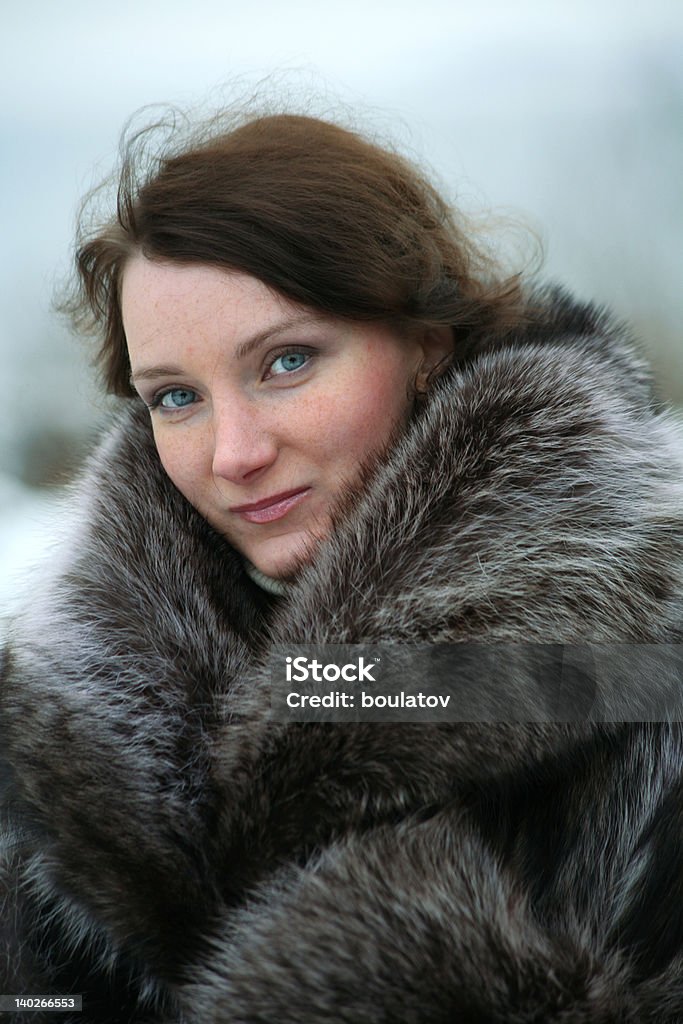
{"x": 182, "y": 463}
{"x": 363, "y": 417}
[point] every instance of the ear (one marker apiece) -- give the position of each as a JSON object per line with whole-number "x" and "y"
{"x": 436, "y": 344}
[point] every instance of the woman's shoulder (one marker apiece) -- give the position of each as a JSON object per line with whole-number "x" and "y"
{"x": 552, "y": 317}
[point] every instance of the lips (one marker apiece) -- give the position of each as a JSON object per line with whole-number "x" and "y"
{"x": 274, "y": 507}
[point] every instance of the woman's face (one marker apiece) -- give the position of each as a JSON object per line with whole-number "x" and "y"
{"x": 262, "y": 409}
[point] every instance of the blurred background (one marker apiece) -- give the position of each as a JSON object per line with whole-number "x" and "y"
{"x": 567, "y": 117}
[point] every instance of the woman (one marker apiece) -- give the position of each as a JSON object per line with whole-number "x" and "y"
{"x": 341, "y": 425}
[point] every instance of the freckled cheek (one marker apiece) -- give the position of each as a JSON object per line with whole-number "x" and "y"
{"x": 360, "y": 420}
{"x": 184, "y": 464}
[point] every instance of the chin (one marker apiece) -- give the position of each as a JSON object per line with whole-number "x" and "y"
{"x": 281, "y": 560}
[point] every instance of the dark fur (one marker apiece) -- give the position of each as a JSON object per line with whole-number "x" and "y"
{"x": 173, "y": 853}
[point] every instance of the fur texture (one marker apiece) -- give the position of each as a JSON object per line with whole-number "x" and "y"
{"x": 173, "y": 853}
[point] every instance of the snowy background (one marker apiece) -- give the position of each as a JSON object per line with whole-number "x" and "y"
{"x": 567, "y": 116}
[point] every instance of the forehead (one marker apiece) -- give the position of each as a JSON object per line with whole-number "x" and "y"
{"x": 157, "y": 286}
{"x": 187, "y": 307}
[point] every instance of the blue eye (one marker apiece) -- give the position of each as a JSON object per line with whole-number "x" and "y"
{"x": 288, "y": 361}
{"x": 177, "y": 398}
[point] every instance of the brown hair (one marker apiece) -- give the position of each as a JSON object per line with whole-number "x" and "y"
{"x": 319, "y": 213}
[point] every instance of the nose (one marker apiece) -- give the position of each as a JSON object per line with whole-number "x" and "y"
{"x": 245, "y": 444}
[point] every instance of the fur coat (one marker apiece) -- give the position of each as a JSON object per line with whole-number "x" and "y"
{"x": 172, "y": 852}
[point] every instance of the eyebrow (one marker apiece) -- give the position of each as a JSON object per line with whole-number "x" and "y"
{"x": 243, "y": 350}
{"x": 300, "y": 320}
{"x": 155, "y": 371}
